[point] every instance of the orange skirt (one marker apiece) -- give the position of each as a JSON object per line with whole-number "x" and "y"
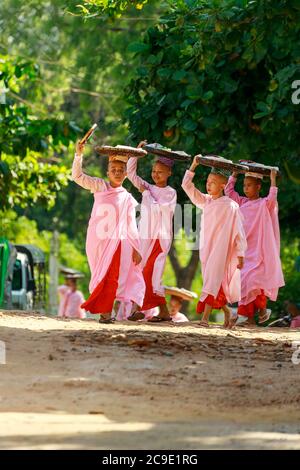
{"x": 216, "y": 303}
{"x": 151, "y": 299}
{"x": 249, "y": 310}
{"x": 103, "y": 296}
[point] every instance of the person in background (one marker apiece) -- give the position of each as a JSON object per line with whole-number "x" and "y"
{"x": 70, "y": 299}
{"x": 294, "y": 311}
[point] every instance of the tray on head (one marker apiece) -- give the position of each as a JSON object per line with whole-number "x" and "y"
{"x": 122, "y": 150}
{"x": 157, "y": 149}
{"x": 215, "y": 161}
{"x": 259, "y": 167}
{"x": 184, "y": 294}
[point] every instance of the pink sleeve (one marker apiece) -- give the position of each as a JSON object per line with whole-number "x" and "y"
{"x": 271, "y": 199}
{"x": 136, "y": 180}
{"x": 230, "y": 192}
{"x": 241, "y": 241}
{"x": 92, "y": 183}
{"x": 197, "y": 198}
{"x": 132, "y": 230}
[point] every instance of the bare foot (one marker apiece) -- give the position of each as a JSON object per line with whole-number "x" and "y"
{"x": 164, "y": 312}
{"x": 204, "y": 324}
{"x": 233, "y": 321}
{"x": 227, "y": 316}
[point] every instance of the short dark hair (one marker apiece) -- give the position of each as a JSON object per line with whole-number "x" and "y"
{"x": 175, "y": 297}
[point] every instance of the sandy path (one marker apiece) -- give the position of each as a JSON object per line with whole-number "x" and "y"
{"x": 81, "y": 385}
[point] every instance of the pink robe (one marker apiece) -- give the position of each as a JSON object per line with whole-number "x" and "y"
{"x": 222, "y": 240}
{"x": 295, "y": 322}
{"x": 262, "y": 267}
{"x": 156, "y": 223}
{"x": 112, "y": 222}
{"x": 70, "y": 301}
{"x": 177, "y": 318}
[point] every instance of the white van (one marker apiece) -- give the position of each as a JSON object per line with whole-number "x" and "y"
{"x": 23, "y": 285}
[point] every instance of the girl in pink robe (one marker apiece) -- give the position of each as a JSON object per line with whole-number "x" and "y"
{"x": 156, "y": 232}
{"x": 222, "y": 243}
{"x": 113, "y": 243}
{"x": 70, "y": 302}
{"x": 262, "y": 274}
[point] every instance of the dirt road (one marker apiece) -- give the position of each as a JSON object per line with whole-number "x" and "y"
{"x": 80, "y": 385}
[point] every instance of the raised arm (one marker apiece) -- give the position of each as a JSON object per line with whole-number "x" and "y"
{"x": 136, "y": 180}
{"x": 271, "y": 199}
{"x": 230, "y": 191}
{"x": 240, "y": 240}
{"x": 92, "y": 183}
{"x": 197, "y": 198}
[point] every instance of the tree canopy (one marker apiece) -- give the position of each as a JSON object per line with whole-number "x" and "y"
{"x": 24, "y": 138}
{"x": 205, "y": 76}
{"x": 216, "y": 77}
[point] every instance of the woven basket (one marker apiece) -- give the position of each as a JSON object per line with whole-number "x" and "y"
{"x": 215, "y": 161}
{"x": 122, "y": 150}
{"x": 157, "y": 149}
{"x": 182, "y": 293}
{"x": 259, "y": 167}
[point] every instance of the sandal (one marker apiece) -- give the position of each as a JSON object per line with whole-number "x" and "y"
{"x": 204, "y": 324}
{"x": 106, "y": 320}
{"x": 262, "y": 319}
{"x": 159, "y": 319}
{"x": 247, "y": 324}
{"x": 135, "y": 316}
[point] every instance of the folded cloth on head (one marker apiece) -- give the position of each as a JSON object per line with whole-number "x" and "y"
{"x": 166, "y": 161}
{"x": 118, "y": 158}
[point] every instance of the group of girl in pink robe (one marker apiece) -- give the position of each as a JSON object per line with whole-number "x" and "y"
{"x": 112, "y": 236}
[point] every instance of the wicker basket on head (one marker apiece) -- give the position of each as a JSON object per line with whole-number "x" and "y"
{"x": 160, "y": 151}
{"x": 121, "y": 150}
{"x": 215, "y": 161}
{"x": 259, "y": 168}
{"x": 184, "y": 294}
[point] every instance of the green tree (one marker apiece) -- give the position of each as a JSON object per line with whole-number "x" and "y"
{"x": 84, "y": 67}
{"x": 108, "y": 8}
{"x": 25, "y": 139}
{"x": 216, "y": 77}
